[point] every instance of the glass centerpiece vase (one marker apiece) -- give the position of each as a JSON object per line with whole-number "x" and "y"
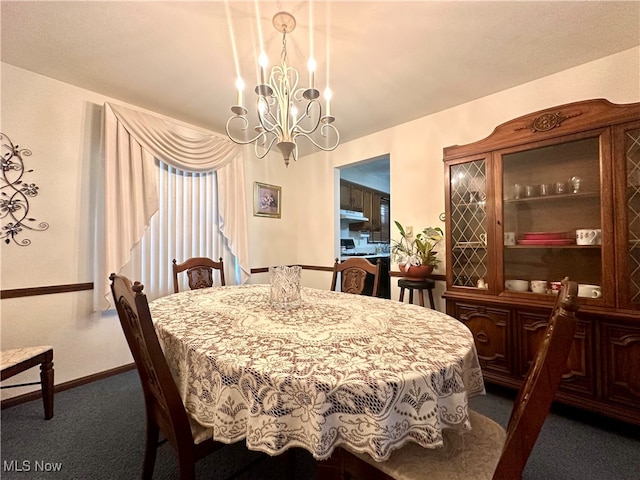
{"x": 284, "y": 291}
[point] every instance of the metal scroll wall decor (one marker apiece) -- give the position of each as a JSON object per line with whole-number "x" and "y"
{"x": 14, "y": 195}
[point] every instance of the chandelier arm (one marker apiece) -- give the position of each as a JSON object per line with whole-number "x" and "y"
{"x": 246, "y": 124}
{"x": 278, "y": 82}
{"x": 284, "y": 81}
{"x": 267, "y": 148}
{"x": 265, "y": 116}
{"x": 269, "y": 122}
{"x": 327, "y": 126}
{"x": 307, "y": 114}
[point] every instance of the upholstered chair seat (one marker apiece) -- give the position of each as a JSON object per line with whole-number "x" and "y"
{"x": 470, "y": 455}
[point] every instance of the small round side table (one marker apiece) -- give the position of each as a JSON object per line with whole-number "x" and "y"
{"x": 427, "y": 284}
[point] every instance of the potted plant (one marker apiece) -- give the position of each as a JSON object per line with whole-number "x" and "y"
{"x": 415, "y": 254}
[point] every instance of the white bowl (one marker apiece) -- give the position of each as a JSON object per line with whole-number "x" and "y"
{"x": 517, "y": 285}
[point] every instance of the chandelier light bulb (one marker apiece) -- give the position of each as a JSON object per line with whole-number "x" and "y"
{"x": 240, "y": 87}
{"x": 263, "y": 61}
{"x": 311, "y": 66}
{"x": 327, "y": 96}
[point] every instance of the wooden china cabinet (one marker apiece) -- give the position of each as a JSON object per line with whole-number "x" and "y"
{"x": 515, "y": 202}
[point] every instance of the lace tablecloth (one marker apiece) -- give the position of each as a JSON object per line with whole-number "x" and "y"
{"x": 366, "y": 373}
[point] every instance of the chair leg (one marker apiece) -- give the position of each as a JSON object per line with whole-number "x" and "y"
{"x": 150, "y": 449}
{"x": 46, "y": 381}
{"x": 411, "y": 296}
{"x": 401, "y": 294}
{"x": 187, "y": 467}
{"x": 186, "y": 460}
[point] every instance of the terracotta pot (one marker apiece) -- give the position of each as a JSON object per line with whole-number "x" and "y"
{"x": 419, "y": 272}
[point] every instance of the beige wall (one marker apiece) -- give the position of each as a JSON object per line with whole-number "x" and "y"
{"x": 60, "y": 124}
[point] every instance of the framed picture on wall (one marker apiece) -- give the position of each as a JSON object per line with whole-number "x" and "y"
{"x": 266, "y": 200}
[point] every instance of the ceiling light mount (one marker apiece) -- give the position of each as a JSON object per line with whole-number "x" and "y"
{"x": 285, "y": 112}
{"x": 284, "y": 22}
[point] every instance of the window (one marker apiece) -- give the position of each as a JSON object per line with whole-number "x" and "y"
{"x": 186, "y": 225}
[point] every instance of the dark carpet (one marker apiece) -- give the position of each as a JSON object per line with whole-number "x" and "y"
{"x": 97, "y": 433}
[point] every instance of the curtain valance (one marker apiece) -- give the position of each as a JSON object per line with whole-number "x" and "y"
{"x": 183, "y": 147}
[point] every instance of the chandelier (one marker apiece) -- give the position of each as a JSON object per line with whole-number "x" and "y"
{"x": 285, "y": 111}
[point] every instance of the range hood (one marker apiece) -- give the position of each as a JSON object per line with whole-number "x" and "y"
{"x": 352, "y": 216}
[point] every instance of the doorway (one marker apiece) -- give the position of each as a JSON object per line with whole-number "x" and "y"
{"x": 365, "y": 206}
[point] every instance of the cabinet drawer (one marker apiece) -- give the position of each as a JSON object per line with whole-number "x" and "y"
{"x": 621, "y": 363}
{"x": 491, "y": 331}
{"x": 578, "y": 375}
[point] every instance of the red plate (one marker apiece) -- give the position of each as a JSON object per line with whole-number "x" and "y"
{"x": 556, "y": 241}
{"x": 549, "y": 235}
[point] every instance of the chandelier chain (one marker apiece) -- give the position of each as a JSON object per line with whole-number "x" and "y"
{"x": 283, "y": 54}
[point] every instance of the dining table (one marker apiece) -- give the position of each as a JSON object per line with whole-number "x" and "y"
{"x": 339, "y": 370}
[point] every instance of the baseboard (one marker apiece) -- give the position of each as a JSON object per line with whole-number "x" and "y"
{"x": 28, "y": 397}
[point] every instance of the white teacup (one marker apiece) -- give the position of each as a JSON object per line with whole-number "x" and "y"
{"x": 539, "y": 286}
{"x": 589, "y": 291}
{"x": 589, "y": 236}
{"x": 509, "y": 238}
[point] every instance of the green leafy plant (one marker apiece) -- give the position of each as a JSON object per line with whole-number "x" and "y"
{"x": 418, "y": 249}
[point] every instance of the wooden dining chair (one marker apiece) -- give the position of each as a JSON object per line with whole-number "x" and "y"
{"x": 165, "y": 412}
{"x": 18, "y": 360}
{"x": 199, "y": 272}
{"x": 488, "y": 451}
{"x": 353, "y": 273}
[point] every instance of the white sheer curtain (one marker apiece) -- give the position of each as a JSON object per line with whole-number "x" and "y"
{"x": 132, "y": 141}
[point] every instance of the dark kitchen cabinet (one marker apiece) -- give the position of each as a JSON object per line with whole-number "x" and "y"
{"x": 385, "y": 220}
{"x": 367, "y": 209}
{"x": 373, "y": 204}
{"x": 351, "y": 196}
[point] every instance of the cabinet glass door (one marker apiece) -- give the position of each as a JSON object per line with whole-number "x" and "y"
{"x": 468, "y": 212}
{"x": 629, "y": 220}
{"x": 552, "y": 218}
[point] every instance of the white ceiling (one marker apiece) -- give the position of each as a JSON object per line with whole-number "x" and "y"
{"x": 389, "y": 62}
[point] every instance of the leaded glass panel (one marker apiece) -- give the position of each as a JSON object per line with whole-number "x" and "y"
{"x": 468, "y": 223}
{"x": 632, "y": 156}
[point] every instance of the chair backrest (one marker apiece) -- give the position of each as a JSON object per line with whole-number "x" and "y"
{"x": 534, "y": 399}
{"x": 163, "y": 402}
{"x": 199, "y": 272}
{"x": 353, "y": 273}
